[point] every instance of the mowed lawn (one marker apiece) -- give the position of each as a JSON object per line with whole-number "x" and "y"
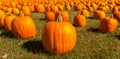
{"x": 90, "y": 44}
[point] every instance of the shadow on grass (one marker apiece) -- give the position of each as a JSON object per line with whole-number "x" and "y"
{"x": 7, "y": 34}
{"x": 118, "y": 36}
{"x": 42, "y": 19}
{"x": 93, "y": 30}
{"x": 90, "y": 18}
{"x": 34, "y": 47}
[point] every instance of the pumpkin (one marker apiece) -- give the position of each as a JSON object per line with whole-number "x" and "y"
{"x": 32, "y": 9}
{"x": 79, "y": 20}
{"x": 15, "y": 10}
{"x": 39, "y": 8}
{"x": 108, "y": 25}
{"x": 49, "y": 15}
{"x": 23, "y": 27}
{"x": 58, "y": 37}
{"x": 116, "y": 15}
{"x": 7, "y": 21}
{"x": 54, "y": 8}
{"x": 2, "y": 16}
{"x": 60, "y": 7}
{"x": 90, "y": 9}
{"x": 26, "y": 10}
{"x": 65, "y": 15}
{"x": 68, "y": 8}
{"x": 99, "y": 14}
{"x": 85, "y": 13}
{"x": 13, "y": 4}
{"x": 9, "y": 10}
{"x": 78, "y": 7}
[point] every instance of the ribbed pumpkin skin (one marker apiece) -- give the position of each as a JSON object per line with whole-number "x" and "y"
{"x": 108, "y": 25}
{"x": 23, "y": 27}
{"x": 8, "y": 21}
{"x": 58, "y": 37}
{"x": 79, "y": 20}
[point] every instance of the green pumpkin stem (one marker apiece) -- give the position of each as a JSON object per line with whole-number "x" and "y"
{"x": 59, "y": 18}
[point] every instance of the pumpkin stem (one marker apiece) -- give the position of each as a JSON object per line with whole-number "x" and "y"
{"x": 48, "y": 8}
{"x": 79, "y": 13}
{"x": 21, "y": 13}
{"x": 59, "y": 18}
{"x": 8, "y": 14}
{"x": 112, "y": 16}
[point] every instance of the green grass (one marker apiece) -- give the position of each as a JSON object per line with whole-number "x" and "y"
{"x": 90, "y": 44}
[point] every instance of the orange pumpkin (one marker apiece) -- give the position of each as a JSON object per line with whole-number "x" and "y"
{"x": 79, "y": 20}
{"x": 39, "y": 8}
{"x": 2, "y": 16}
{"x": 23, "y": 27}
{"x": 108, "y": 25}
{"x": 99, "y": 14}
{"x": 15, "y": 10}
{"x": 65, "y": 15}
{"x": 116, "y": 15}
{"x": 85, "y": 13}
{"x": 58, "y": 37}
{"x": 7, "y": 21}
{"x": 26, "y": 10}
{"x": 49, "y": 15}
{"x": 54, "y": 8}
{"x": 9, "y": 10}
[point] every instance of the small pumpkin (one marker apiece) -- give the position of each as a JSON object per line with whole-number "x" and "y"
{"x": 85, "y": 13}
{"x": 58, "y": 37}
{"x": 65, "y": 15}
{"x": 2, "y": 16}
{"x": 99, "y": 14}
{"x": 8, "y": 20}
{"x": 23, "y": 27}
{"x": 49, "y": 15}
{"x": 39, "y": 8}
{"x": 15, "y": 10}
{"x": 108, "y": 24}
{"x": 26, "y": 10}
{"x": 79, "y": 20}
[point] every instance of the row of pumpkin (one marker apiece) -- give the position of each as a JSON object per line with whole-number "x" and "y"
{"x": 58, "y": 35}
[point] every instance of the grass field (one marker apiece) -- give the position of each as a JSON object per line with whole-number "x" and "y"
{"x": 91, "y": 43}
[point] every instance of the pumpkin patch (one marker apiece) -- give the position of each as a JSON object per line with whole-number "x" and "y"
{"x": 59, "y": 29}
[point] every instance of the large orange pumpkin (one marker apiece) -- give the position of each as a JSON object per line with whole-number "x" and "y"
{"x": 23, "y": 27}
{"x": 58, "y": 37}
{"x": 108, "y": 25}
